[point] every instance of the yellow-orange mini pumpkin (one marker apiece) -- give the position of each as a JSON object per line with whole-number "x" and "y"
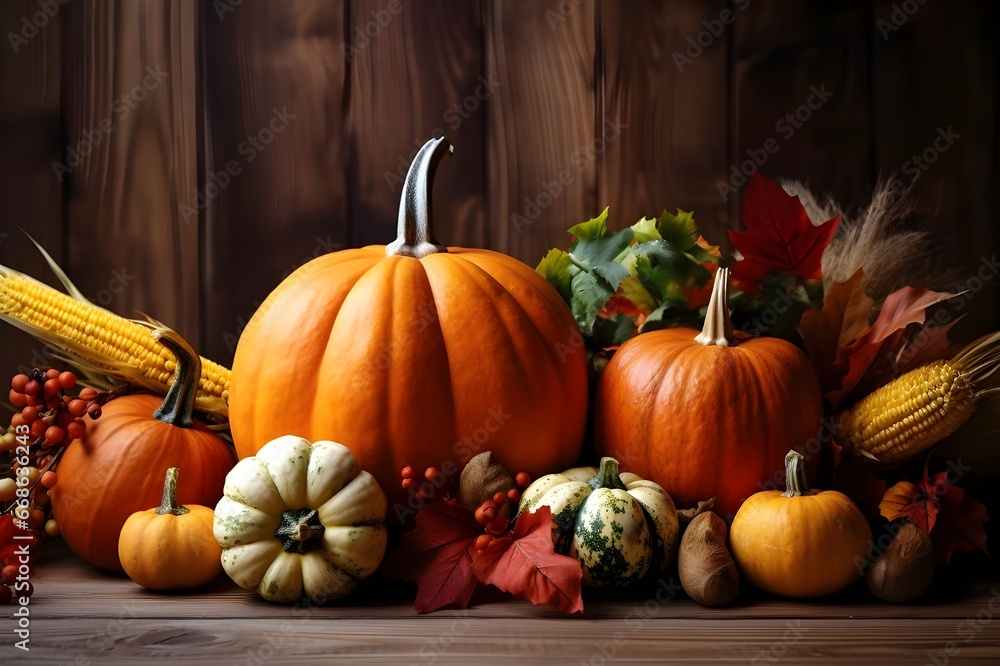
{"x": 414, "y": 354}
{"x": 707, "y": 414}
{"x": 800, "y": 543}
{"x": 171, "y": 547}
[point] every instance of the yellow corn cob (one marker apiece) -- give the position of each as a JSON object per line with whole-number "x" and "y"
{"x": 921, "y": 407}
{"x": 101, "y": 341}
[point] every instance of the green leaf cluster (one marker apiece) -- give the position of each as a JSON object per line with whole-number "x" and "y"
{"x": 646, "y": 268}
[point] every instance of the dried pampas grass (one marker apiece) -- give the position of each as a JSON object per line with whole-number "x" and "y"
{"x": 882, "y": 239}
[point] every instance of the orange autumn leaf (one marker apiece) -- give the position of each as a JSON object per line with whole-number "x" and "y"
{"x": 871, "y": 360}
{"x": 845, "y": 312}
{"x": 912, "y": 501}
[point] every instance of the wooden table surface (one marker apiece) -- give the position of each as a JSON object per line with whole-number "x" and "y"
{"x": 80, "y": 616}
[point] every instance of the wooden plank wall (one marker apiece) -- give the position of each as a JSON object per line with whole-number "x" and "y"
{"x": 272, "y": 132}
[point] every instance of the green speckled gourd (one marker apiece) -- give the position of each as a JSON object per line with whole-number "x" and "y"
{"x": 300, "y": 520}
{"x": 619, "y": 526}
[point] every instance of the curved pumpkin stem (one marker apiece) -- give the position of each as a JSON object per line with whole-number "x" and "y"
{"x": 169, "y": 503}
{"x": 795, "y": 476}
{"x": 718, "y": 329}
{"x": 607, "y": 475}
{"x": 178, "y": 405}
{"x": 415, "y": 235}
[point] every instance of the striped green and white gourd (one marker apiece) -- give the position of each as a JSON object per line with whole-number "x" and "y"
{"x": 619, "y": 526}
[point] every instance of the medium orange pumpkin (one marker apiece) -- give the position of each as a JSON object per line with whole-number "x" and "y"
{"x": 116, "y": 469}
{"x": 706, "y": 414}
{"x": 414, "y": 354}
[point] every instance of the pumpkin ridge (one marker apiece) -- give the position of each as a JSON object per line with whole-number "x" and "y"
{"x": 332, "y": 315}
{"x": 459, "y": 262}
{"x": 648, "y": 413}
{"x": 263, "y": 362}
{"x": 445, "y": 394}
{"x": 483, "y": 277}
{"x": 527, "y": 278}
{"x": 551, "y": 303}
{"x": 483, "y": 281}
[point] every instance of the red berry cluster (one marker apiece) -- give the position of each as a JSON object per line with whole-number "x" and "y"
{"x": 49, "y": 418}
{"x": 51, "y": 415}
{"x": 434, "y": 480}
{"x": 489, "y": 512}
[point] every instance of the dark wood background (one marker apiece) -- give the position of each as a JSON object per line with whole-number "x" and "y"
{"x": 558, "y": 74}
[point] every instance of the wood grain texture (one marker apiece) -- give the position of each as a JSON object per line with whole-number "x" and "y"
{"x": 276, "y": 161}
{"x": 542, "y": 125}
{"x": 417, "y": 73}
{"x": 30, "y": 133}
{"x": 657, "y": 76}
{"x": 83, "y": 616}
{"x": 953, "y": 189}
{"x": 783, "y": 55}
{"x": 129, "y": 107}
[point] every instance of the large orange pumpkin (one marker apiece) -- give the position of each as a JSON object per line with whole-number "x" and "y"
{"x": 117, "y": 468}
{"x": 414, "y": 354}
{"x": 706, "y": 414}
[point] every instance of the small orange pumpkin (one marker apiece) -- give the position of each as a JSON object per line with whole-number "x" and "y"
{"x": 414, "y": 354}
{"x": 171, "y": 547}
{"x": 800, "y": 543}
{"x": 705, "y": 414}
{"x": 116, "y": 468}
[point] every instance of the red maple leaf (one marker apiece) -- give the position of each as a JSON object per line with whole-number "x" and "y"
{"x": 526, "y": 565}
{"x": 778, "y": 236}
{"x": 437, "y": 554}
